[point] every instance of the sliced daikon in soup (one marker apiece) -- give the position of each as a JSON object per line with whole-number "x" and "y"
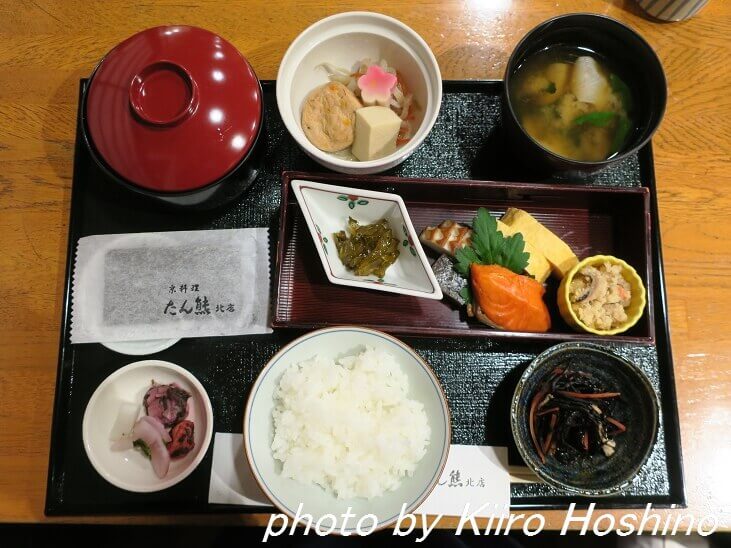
{"x": 588, "y": 82}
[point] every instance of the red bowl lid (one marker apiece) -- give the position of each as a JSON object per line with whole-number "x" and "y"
{"x": 173, "y": 109}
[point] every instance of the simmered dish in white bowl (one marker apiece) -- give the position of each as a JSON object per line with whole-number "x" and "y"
{"x": 359, "y": 91}
{"x": 347, "y": 418}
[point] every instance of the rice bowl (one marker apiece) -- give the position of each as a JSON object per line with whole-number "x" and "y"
{"x": 291, "y": 496}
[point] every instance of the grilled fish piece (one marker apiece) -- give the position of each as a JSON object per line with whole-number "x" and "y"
{"x": 447, "y": 238}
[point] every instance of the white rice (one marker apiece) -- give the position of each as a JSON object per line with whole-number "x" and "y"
{"x": 348, "y": 426}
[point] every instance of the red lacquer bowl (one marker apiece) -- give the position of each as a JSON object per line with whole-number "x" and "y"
{"x": 176, "y": 113}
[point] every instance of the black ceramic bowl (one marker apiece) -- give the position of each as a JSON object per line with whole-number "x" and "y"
{"x": 596, "y": 475}
{"x": 625, "y": 51}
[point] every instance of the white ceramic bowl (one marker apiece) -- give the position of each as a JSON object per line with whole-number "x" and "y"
{"x": 130, "y": 470}
{"x": 140, "y": 348}
{"x": 286, "y": 494}
{"x": 343, "y": 40}
{"x": 326, "y": 209}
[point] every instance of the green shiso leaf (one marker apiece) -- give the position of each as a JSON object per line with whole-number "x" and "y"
{"x": 489, "y": 246}
{"x": 487, "y": 240}
{"x": 466, "y": 294}
{"x": 465, "y": 257}
{"x": 514, "y": 257}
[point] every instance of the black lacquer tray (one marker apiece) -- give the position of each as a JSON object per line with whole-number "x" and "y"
{"x": 478, "y": 375}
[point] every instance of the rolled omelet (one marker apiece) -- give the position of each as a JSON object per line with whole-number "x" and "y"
{"x": 554, "y": 249}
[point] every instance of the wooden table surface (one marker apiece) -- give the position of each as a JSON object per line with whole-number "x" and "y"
{"x": 46, "y": 47}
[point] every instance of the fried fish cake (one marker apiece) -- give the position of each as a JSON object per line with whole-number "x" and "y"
{"x": 328, "y": 117}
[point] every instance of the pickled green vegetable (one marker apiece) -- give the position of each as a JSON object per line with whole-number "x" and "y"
{"x": 367, "y": 249}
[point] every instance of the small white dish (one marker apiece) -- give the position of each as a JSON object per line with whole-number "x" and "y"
{"x": 286, "y": 494}
{"x": 130, "y": 470}
{"x": 140, "y": 348}
{"x": 343, "y": 40}
{"x": 326, "y": 209}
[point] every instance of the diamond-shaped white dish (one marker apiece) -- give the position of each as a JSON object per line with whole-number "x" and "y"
{"x": 326, "y": 209}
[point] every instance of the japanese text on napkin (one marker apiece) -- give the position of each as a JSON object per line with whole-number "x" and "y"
{"x": 159, "y": 285}
{"x": 475, "y": 481}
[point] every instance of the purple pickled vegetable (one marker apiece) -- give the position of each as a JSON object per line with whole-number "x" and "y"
{"x": 167, "y": 403}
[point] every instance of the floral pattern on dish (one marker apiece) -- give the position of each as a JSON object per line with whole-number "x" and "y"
{"x": 352, "y": 200}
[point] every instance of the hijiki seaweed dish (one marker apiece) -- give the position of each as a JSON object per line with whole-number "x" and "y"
{"x": 573, "y": 416}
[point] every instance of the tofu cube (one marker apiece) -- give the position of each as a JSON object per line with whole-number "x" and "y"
{"x": 376, "y": 129}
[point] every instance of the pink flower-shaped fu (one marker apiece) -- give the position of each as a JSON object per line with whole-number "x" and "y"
{"x": 376, "y": 85}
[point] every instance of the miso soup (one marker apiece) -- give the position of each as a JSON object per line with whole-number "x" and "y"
{"x": 570, "y": 102}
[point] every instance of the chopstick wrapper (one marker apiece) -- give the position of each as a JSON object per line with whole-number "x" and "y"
{"x": 162, "y": 285}
{"x": 231, "y": 479}
{"x": 474, "y": 475}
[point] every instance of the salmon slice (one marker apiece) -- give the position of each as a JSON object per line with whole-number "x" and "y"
{"x": 508, "y": 300}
